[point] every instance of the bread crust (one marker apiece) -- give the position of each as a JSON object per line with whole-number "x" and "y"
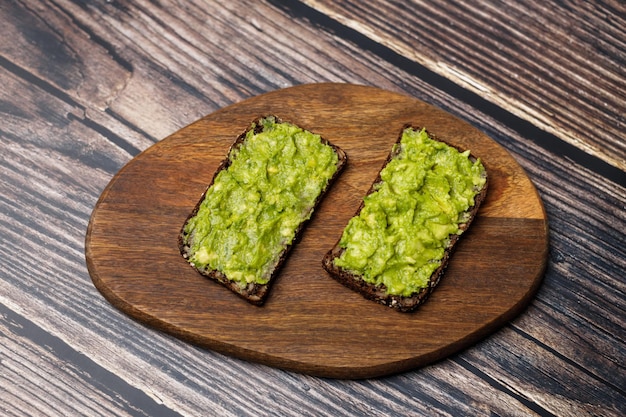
{"x": 378, "y": 293}
{"x": 252, "y": 292}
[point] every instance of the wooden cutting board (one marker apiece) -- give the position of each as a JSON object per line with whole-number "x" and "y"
{"x": 310, "y": 323}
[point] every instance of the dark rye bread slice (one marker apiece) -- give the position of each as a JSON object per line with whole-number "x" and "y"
{"x": 378, "y": 293}
{"x": 254, "y": 293}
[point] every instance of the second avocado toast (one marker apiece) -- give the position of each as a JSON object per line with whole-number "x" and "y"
{"x": 397, "y": 246}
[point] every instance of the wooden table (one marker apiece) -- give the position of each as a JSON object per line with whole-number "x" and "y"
{"x": 86, "y": 86}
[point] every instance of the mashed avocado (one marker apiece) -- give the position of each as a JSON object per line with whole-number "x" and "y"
{"x": 398, "y": 238}
{"x": 251, "y": 212}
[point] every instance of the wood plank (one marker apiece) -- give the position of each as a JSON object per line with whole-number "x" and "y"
{"x": 572, "y": 393}
{"x": 75, "y": 160}
{"x": 518, "y": 56}
{"x": 33, "y": 359}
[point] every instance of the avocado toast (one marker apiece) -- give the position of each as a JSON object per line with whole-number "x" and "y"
{"x": 398, "y": 244}
{"x": 257, "y": 204}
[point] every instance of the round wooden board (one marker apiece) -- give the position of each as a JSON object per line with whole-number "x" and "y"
{"x": 310, "y": 323}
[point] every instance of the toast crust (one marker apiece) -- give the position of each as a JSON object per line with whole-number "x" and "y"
{"x": 378, "y": 293}
{"x": 255, "y": 293}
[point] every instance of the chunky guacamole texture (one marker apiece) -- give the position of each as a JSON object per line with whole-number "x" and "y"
{"x": 251, "y": 211}
{"x": 399, "y": 236}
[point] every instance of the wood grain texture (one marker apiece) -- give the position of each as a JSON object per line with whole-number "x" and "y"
{"x": 170, "y": 63}
{"x": 310, "y": 324}
{"x": 518, "y": 56}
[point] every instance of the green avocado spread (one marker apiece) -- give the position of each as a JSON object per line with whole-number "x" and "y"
{"x": 400, "y": 234}
{"x": 251, "y": 211}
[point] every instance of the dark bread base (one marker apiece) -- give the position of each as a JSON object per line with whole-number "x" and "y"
{"x": 255, "y": 293}
{"x": 378, "y": 293}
